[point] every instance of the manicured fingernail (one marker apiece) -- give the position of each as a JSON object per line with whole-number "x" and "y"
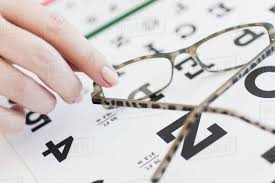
{"x": 109, "y": 75}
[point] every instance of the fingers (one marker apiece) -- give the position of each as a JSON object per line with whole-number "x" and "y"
{"x": 24, "y": 90}
{"x": 36, "y": 55}
{"x": 11, "y": 120}
{"x": 63, "y": 36}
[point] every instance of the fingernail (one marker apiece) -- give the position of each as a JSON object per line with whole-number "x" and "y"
{"x": 110, "y": 76}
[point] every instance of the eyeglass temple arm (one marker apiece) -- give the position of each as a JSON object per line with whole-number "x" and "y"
{"x": 96, "y": 99}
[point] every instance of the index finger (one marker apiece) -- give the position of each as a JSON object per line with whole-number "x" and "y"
{"x": 62, "y": 35}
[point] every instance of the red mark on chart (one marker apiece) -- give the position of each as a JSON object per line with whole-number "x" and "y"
{"x": 47, "y": 2}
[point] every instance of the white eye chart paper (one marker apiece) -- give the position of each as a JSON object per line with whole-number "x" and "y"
{"x": 89, "y": 144}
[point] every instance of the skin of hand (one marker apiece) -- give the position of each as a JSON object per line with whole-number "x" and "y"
{"x": 45, "y": 44}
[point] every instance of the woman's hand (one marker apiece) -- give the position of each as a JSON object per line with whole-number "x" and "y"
{"x": 46, "y": 44}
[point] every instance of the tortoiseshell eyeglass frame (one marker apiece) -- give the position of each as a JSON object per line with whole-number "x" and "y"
{"x": 99, "y": 98}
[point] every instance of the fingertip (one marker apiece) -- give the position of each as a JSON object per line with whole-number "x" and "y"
{"x": 110, "y": 76}
{"x": 50, "y": 106}
{"x": 99, "y": 69}
{"x": 47, "y": 106}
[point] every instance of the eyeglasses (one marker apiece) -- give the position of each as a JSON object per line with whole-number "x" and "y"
{"x": 215, "y": 53}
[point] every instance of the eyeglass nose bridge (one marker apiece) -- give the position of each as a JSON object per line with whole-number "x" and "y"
{"x": 191, "y": 50}
{"x": 188, "y": 50}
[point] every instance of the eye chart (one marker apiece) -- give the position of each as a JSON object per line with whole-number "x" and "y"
{"x": 88, "y": 144}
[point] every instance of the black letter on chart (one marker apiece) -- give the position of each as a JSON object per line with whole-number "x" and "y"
{"x": 189, "y": 149}
{"x": 151, "y": 47}
{"x": 272, "y": 9}
{"x": 193, "y": 64}
{"x": 247, "y": 34}
{"x": 145, "y": 90}
{"x": 40, "y": 119}
{"x": 270, "y": 155}
{"x": 250, "y": 84}
{"x": 120, "y": 41}
{"x": 98, "y": 181}
{"x": 219, "y": 10}
{"x": 54, "y": 149}
{"x": 185, "y": 30}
